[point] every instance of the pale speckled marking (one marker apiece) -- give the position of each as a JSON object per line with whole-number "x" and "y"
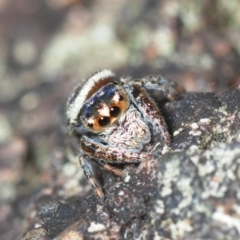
{"x": 194, "y": 126}
{"x": 201, "y": 208}
{"x": 96, "y": 227}
{"x": 238, "y": 137}
{"x": 231, "y": 222}
{"x": 187, "y": 200}
{"x": 204, "y": 121}
{"x": 231, "y": 175}
{"x": 127, "y": 178}
{"x": 205, "y": 169}
{"x": 223, "y": 110}
{"x": 195, "y": 133}
{"x": 159, "y": 206}
{"x": 165, "y": 149}
{"x": 177, "y": 132}
{"x": 183, "y": 183}
{"x": 166, "y": 190}
{"x": 115, "y": 98}
{"x": 184, "y": 226}
{"x": 99, "y": 208}
{"x": 236, "y": 208}
{"x": 90, "y": 120}
{"x": 104, "y": 110}
{"x": 121, "y": 193}
{"x": 194, "y": 158}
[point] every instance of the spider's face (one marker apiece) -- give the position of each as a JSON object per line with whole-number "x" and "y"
{"x": 98, "y": 103}
{"x": 104, "y": 107}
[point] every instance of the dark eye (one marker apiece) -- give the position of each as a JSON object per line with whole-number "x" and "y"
{"x": 90, "y": 125}
{"x": 103, "y": 121}
{"x": 120, "y": 98}
{"x": 115, "y": 111}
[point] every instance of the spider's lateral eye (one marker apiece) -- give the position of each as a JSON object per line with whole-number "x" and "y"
{"x": 90, "y": 125}
{"x": 120, "y": 98}
{"x": 103, "y": 121}
{"x": 115, "y": 111}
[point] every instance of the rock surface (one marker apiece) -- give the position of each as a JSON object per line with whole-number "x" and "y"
{"x": 192, "y": 192}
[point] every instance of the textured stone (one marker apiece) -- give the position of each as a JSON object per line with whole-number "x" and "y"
{"x": 191, "y": 192}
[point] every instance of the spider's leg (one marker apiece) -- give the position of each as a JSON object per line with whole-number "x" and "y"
{"x": 147, "y": 106}
{"x": 168, "y": 88}
{"x": 109, "y": 168}
{"x": 90, "y": 176}
{"x": 159, "y": 83}
{"x": 112, "y": 154}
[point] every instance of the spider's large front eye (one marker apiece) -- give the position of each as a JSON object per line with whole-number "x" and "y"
{"x": 115, "y": 111}
{"x": 103, "y": 121}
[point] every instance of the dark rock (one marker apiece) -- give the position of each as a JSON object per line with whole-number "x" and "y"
{"x": 189, "y": 193}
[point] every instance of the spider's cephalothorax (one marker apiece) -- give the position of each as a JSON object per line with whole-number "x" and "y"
{"x": 118, "y": 122}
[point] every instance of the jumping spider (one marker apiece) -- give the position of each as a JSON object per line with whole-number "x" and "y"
{"x": 117, "y": 122}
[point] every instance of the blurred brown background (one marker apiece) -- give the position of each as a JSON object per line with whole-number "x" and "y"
{"x": 46, "y": 46}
